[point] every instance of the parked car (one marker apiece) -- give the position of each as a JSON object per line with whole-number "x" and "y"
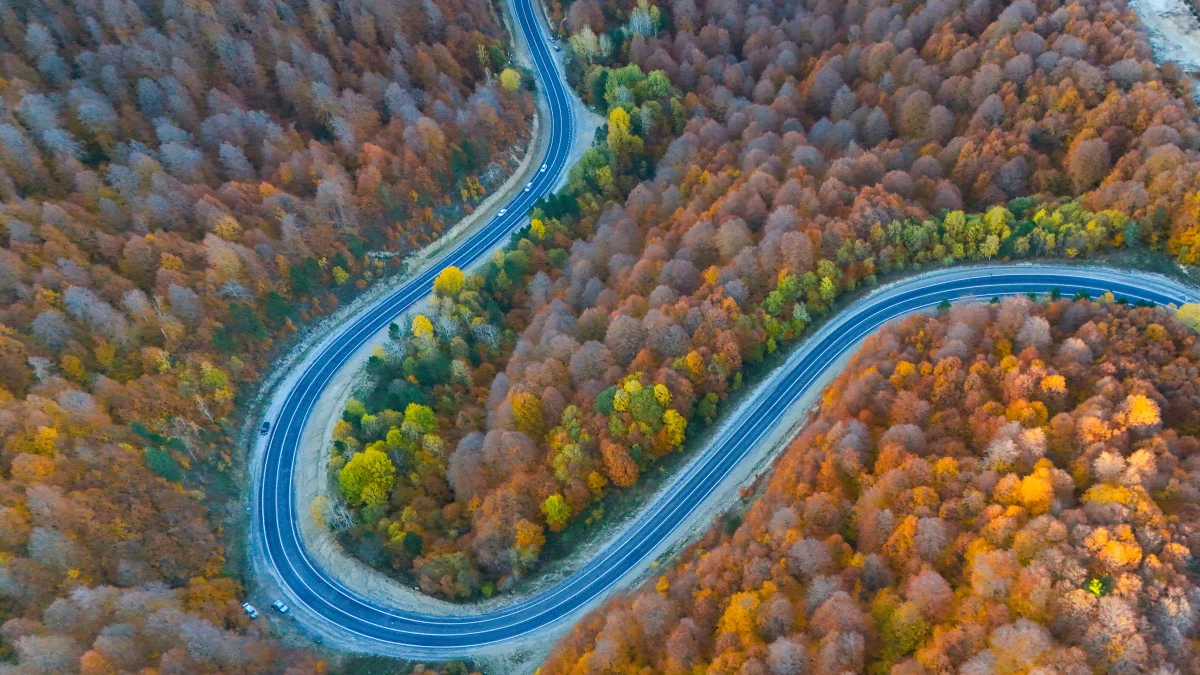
{"x": 278, "y": 604}
{"x": 558, "y": 48}
{"x": 266, "y": 426}
{"x": 250, "y": 610}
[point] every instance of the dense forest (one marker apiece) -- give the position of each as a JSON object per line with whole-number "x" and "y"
{"x": 760, "y": 159}
{"x": 999, "y": 488}
{"x": 181, "y": 185}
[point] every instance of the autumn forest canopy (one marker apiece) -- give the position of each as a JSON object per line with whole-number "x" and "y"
{"x": 182, "y": 186}
{"x": 1000, "y": 488}
{"x": 187, "y": 185}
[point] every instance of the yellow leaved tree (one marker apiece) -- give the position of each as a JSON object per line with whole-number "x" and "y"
{"x": 368, "y": 477}
{"x": 510, "y": 79}
{"x": 449, "y": 282}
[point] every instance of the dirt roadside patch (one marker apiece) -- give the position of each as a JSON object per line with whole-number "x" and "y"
{"x": 1174, "y": 33}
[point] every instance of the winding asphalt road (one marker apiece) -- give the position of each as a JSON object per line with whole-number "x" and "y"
{"x": 394, "y": 630}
